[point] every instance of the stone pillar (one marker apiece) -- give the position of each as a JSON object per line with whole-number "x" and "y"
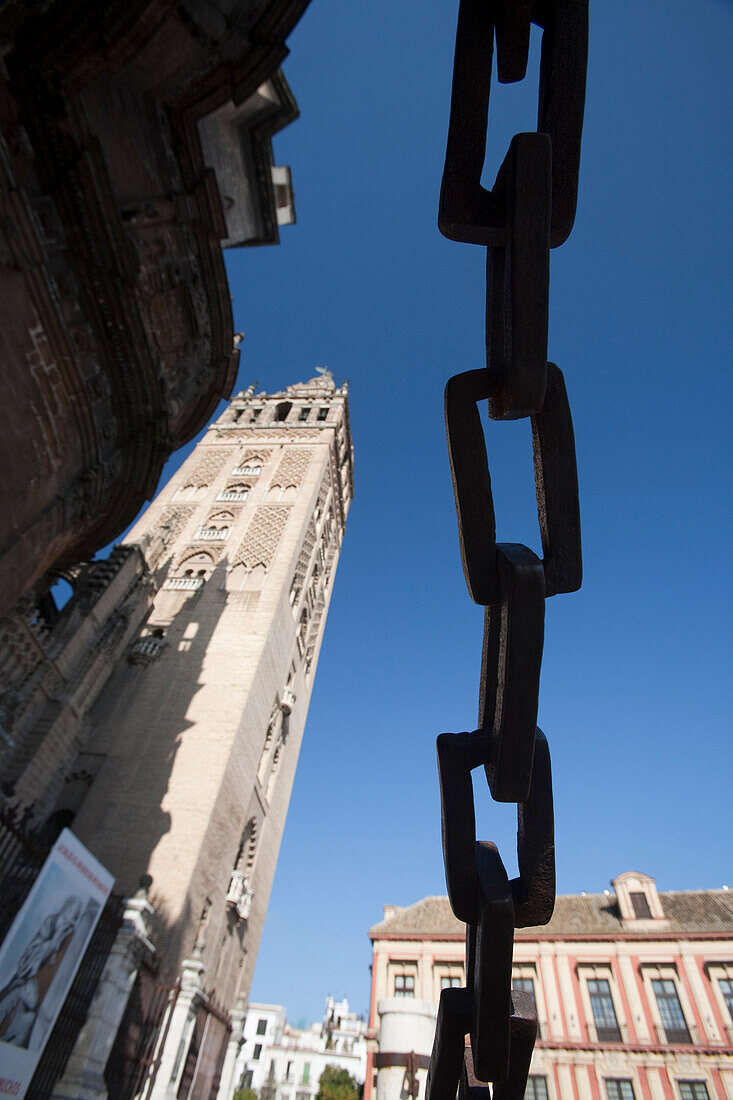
{"x": 227, "y": 1082}
{"x": 406, "y": 1026}
{"x": 83, "y": 1078}
{"x": 183, "y": 1018}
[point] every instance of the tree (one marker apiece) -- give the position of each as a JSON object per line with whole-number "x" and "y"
{"x": 244, "y": 1094}
{"x": 337, "y": 1084}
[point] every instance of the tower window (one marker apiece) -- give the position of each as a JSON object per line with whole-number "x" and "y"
{"x": 282, "y": 410}
{"x": 640, "y": 903}
{"x": 304, "y": 413}
{"x": 255, "y": 414}
{"x": 322, "y": 414}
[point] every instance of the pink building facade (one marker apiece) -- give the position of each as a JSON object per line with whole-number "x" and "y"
{"x": 633, "y": 990}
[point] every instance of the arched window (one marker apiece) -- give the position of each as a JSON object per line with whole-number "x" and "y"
{"x": 237, "y": 492}
{"x": 274, "y": 770}
{"x": 269, "y": 736}
{"x": 282, "y": 410}
{"x": 252, "y": 467}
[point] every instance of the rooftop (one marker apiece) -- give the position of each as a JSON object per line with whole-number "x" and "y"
{"x": 686, "y": 911}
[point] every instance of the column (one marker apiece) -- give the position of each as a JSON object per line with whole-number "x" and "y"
{"x": 227, "y": 1083}
{"x": 183, "y": 1018}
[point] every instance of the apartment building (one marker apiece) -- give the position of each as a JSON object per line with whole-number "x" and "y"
{"x": 633, "y": 990}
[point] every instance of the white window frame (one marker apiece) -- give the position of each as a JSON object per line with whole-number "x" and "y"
{"x": 668, "y": 972}
{"x": 600, "y": 971}
{"x": 403, "y": 966}
{"x": 717, "y": 972}
{"x": 530, "y": 970}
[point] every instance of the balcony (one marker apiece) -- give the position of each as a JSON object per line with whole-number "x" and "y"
{"x": 212, "y": 534}
{"x": 187, "y": 583}
{"x": 145, "y": 650}
{"x": 608, "y": 1033}
{"x": 680, "y": 1036}
{"x": 239, "y": 896}
{"x": 236, "y": 495}
{"x": 246, "y": 471}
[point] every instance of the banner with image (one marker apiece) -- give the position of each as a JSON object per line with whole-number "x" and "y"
{"x": 41, "y": 954}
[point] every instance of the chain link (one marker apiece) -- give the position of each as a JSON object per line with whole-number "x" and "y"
{"x": 530, "y": 209}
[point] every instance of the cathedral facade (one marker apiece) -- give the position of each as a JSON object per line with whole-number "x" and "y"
{"x": 160, "y": 716}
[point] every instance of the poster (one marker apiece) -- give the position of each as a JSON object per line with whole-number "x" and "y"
{"x": 41, "y": 954}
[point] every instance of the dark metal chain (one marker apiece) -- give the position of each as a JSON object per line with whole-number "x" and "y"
{"x": 529, "y": 210}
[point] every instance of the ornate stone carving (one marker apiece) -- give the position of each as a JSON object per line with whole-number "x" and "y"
{"x": 292, "y": 467}
{"x": 272, "y": 435}
{"x": 262, "y": 536}
{"x": 205, "y": 471}
{"x": 173, "y": 521}
{"x": 262, "y": 453}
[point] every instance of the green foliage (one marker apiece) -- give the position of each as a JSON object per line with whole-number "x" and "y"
{"x": 337, "y": 1084}
{"x": 244, "y": 1094}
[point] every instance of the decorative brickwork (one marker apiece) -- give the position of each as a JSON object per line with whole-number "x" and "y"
{"x": 262, "y": 536}
{"x": 173, "y": 521}
{"x": 272, "y": 435}
{"x": 292, "y": 467}
{"x": 211, "y": 551}
{"x": 263, "y": 453}
{"x": 208, "y": 467}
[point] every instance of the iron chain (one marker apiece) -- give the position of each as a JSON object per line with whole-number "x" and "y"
{"x": 529, "y": 210}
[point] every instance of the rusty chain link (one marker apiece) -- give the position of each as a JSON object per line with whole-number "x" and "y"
{"x": 529, "y": 210}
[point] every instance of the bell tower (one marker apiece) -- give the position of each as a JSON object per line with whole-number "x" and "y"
{"x": 197, "y": 732}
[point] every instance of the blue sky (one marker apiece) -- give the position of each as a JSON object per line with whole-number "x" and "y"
{"x": 635, "y": 694}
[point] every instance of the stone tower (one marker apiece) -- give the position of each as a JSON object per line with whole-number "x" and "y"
{"x": 200, "y": 732}
{"x": 187, "y": 676}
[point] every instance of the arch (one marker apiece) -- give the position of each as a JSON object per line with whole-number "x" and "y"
{"x": 269, "y": 736}
{"x": 223, "y": 516}
{"x": 197, "y": 558}
{"x": 276, "y": 761}
{"x": 247, "y": 851}
{"x": 282, "y": 410}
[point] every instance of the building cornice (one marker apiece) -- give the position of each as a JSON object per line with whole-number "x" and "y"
{"x": 560, "y": 937}
{"x": 635, "y": 1048}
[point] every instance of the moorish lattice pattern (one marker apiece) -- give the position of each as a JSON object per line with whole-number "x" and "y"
{"x": 272, "y": 434}
{"x": 262, "y": 536}
{"x": 173, "y": 521}
{"x": 208, "y": 467}
{"x": 292, "y": 466}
